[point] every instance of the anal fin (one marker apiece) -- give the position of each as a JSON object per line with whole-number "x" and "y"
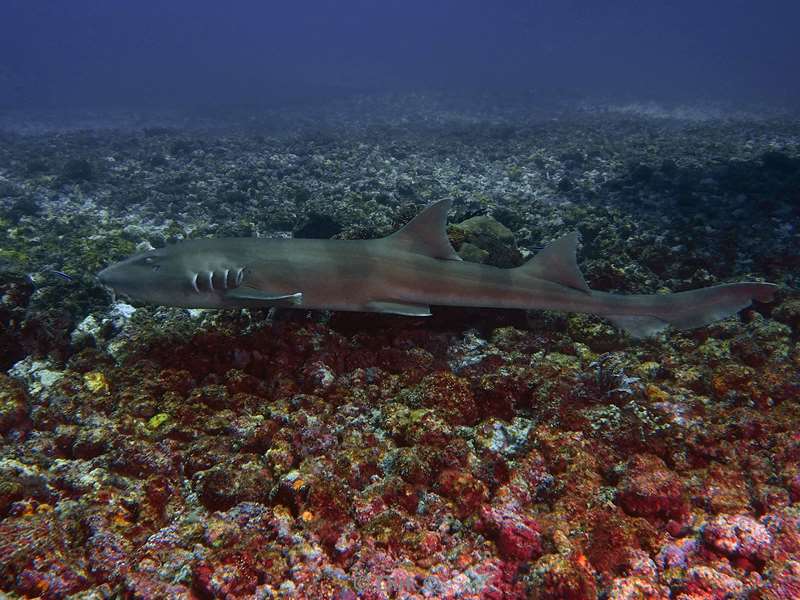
{"x": 400, "y": 308}
{"x": 637, "y": 327}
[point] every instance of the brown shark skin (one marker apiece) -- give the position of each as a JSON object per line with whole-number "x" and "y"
{"x": 395, "y": 274}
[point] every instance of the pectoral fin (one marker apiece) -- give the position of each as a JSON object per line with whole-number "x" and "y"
{"x": 400, "y": 308}
{"x": 248, "y": 294}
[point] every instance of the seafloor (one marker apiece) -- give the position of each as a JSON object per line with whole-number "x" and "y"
{"x": 151, "y": 452}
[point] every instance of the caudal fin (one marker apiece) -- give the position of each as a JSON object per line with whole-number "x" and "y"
{"x": 642, "y": 316}
{"x": 695, "y": 308}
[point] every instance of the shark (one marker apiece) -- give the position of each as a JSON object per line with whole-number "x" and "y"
{"x": 404, "y": 273}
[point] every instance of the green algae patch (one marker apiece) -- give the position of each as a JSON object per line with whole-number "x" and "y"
{"x": 13, "y": 403}
{"x": 96, "y": 382}
{"x": 156, "y": 421}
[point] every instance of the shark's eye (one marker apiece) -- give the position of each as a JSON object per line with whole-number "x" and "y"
{"x": 149, "y": 261}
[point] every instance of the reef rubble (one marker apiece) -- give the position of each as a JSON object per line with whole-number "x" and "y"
{"x": 148, "y": 452}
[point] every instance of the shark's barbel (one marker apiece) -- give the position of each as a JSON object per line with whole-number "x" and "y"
{"x": 404, "y": 273}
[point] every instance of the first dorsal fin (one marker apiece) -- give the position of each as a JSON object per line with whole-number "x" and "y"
{"x": 427, "y": 233}
{"x": 556, "y": 262}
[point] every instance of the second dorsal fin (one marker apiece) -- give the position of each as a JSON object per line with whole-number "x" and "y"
{"x": 427, "y": 233}
{"x": 556, "y": 262}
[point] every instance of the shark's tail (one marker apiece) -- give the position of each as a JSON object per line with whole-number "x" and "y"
{"x": 687, "y": 310}
{"x": 644, "y": 315}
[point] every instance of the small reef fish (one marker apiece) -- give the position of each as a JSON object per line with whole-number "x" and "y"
{"x": 61, "y": 274}
{"x": 404, "y": 273}
{"x": 37, "y": 277}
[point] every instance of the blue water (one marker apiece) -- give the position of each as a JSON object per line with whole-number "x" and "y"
{"x": 197, "y": 53}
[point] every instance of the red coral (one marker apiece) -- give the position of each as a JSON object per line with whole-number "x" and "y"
{"x": 738, "y": 536}
{"x": 783, "y": 583}
{"x": 517, "y": 536}
{"x": 176, "y": 380}
{"x": 450, "y": 395}
{"x": 650, "y": 489}
{"x": 614, "y": 537}
{"x": 466, "y": 492}
{"x": 702, "y": 583}
{"x": 558, "y": 577}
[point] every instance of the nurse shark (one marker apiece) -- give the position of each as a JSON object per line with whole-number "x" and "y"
{"x": 404, "y": 273}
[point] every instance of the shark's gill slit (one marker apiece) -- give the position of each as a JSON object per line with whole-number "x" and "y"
{"x": 211, "y": 281}
{"x": 225, "y": 279}
{"x": 194, "y": 283}
{"x": 239, "y": 276}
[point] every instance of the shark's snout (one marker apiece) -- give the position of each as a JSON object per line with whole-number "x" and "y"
{"x": 115, "y": 278}
{"x": 143, "y": 279}
{"x": 106, "y": 276}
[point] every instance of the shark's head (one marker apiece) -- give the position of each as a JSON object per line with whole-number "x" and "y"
{"x": 171, "y": 277}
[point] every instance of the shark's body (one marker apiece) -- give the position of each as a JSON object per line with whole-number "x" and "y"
{"x": 404, "y": 273}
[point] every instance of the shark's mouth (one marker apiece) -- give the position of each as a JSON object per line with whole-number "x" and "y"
{"x": 112, "y": 292}
{"x": 115, "y": 295}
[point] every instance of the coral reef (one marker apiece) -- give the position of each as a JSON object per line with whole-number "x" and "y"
{"x": 163, "y": 453}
